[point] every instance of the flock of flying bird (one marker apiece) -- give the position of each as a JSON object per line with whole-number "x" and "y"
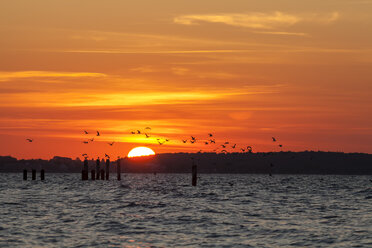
{"x": 209, "y": 140}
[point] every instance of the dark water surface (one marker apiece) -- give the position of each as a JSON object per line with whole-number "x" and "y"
{"x": 163, "y": 210}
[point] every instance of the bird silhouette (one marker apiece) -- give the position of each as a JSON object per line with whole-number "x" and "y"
{"x": 98, "y": 134}
{"x": 233, "y": 146}
{"x": 212, "y": 141}
{"x": 160, "y": 143}
{"x": 92, "y": 139}
{"x": 223, "y": 146}
{"x": 85, "y": 142}
{"x": 226, "y": 143}
{"x": 86, "y": 132}
{"x": 111, "y": 144}
{"x": 132, "y": 132}
{"x": 184, "y": 141}
{"x": 147, "y": 136}
{"x": 210, "y": 135}
{"x": 274, "y": 140}
{"x": 243, "y": 150}
{"x": 193, "y": 138}
{"x": 148, "y": 128}
{"x": 166, "y": 140}
{"x": 280, "y": 145}
{"x": 30, "y": 140}
{"x": 138, "y": 132}
{"x": 84, "y": 154}
{"x": 107, "y": 156}
{"x": 192, "y": 141}
{"x": 206, "y": 142}
{"x": 224, "y": 151}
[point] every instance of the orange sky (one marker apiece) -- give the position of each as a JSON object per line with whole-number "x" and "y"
{"x": 244, "y": 70}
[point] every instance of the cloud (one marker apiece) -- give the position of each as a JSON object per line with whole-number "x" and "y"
{"x": 257, "y": 20}
{"x": 7, "y": 76}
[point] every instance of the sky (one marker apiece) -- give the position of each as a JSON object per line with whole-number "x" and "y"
{"x": 243, "y": 70}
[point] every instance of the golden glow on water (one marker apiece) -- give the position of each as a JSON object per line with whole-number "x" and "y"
{"x": 140, "y": 151}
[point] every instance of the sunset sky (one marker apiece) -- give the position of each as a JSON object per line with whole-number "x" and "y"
{"x": 243, "y": 70}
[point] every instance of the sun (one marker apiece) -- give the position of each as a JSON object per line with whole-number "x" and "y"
{"x": 140, "y": 151}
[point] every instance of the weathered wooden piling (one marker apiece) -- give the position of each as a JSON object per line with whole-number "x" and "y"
{"x": 84, "y": 172}
{"x": 118, "y": 169}
{"x": 102, "y": 174}
{"x": 33, "y": 174}
{"x": 24, "y": 174}
{"x": 93, "y": 175}
{"x": 107, "y": 169}
{"x": 42, "y": 175}
{"x": 194, "y": 172}
{"x": 98, "y": 163}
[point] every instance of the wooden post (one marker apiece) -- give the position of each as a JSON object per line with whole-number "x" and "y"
{"x": 107, "y": 169}
{"x": 118, "y": 169}
{"x": 194, "y": 174}
{"x": 93, "y": 175}
{"x": 42, "y": 175}
{"x": 102, "y": 174}
{"x": 24, "y": 174}
{"x": 33, "y": 174}
{"x": 84, "y": 173}
{"x": 98, "y": 163}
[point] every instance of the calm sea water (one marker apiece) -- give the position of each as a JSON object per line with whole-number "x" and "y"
{"x": 163, "y": 210}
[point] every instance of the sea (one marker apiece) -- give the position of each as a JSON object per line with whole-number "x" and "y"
{"x": 164, "y": 210}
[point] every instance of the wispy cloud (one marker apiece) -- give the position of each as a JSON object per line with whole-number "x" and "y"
{"x": 264, "y": 21}
{"x": 7, "y": 76}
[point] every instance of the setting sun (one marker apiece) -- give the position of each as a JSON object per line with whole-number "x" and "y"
{"x": 140, "y": 151}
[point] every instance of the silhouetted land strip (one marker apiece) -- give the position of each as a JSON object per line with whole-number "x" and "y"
{"x": 307, "y": 162}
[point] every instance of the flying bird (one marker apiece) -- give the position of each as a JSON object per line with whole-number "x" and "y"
{"x": 30, "y": 140}
{"x": 107, "y": 156}
{"x": 184, "y": 141}
{"x": 85, "y": 142}
{"x": 166, "y": 140}
{"x": 224, "y": 151}
{"x": 206, "y": 142}
{"x": 243, "y": 150}
{"x": 233, "y": 146}
{"x": 226, "y": 143}
{"x": 84, "y": 155}
{"x": 86, "y": 132}
{"x": 133, "y": 132}
{"x": 138, "y": 132}
{"x": 92, "y": 139}
{"x": 98, "y": 134}
{"x": 147, "y": 136}
{"x": 213, "y": 141}
{"x": 274, "y": 140}
{"x": 160, "y": 143}
{"x": 210, "y": 135}
{"x": 149, "y": 128}
{"x": 223, "y": 146}
{"x": 112, "y": 143}
{"x": 280, "y": 145}
{"x": 192, "y": 141}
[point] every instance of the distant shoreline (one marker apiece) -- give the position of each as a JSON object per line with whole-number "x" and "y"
{"x": 292, "y": 163}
